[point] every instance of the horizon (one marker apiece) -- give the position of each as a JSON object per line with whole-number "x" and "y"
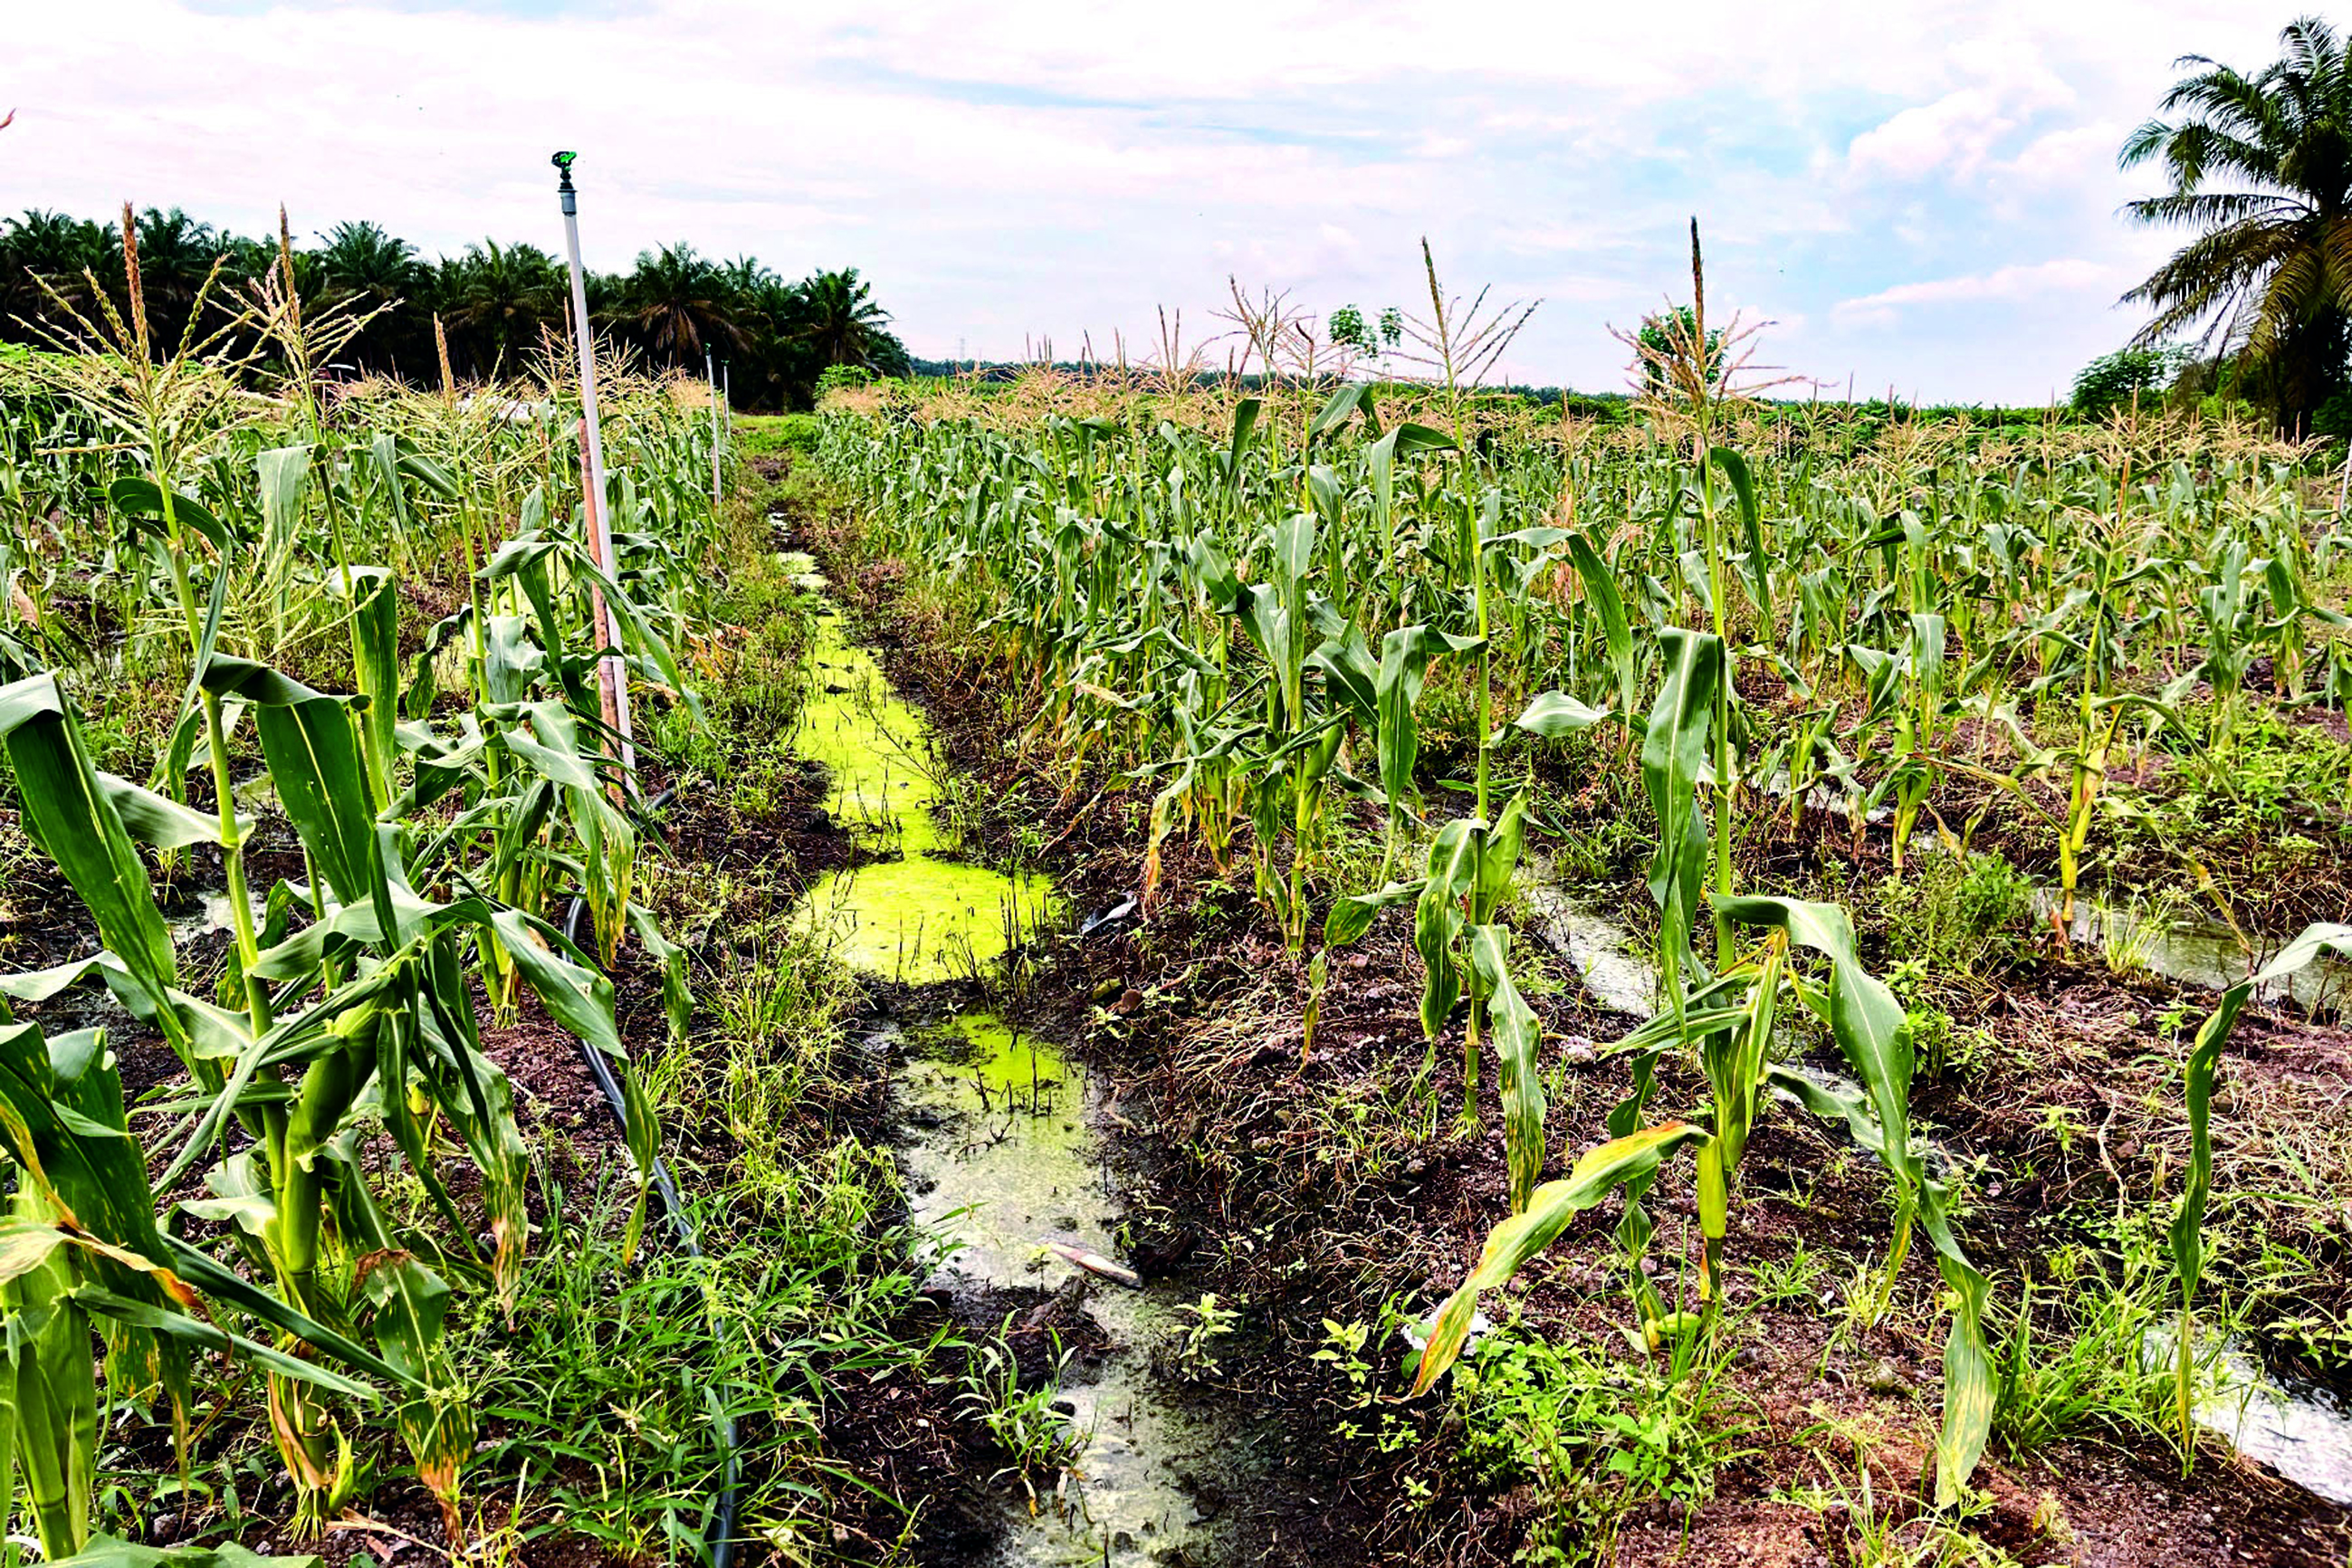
{"x": 1951, "y": 240}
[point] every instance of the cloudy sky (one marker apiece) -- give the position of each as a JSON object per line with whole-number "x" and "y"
{"x": 1920, "y": 195}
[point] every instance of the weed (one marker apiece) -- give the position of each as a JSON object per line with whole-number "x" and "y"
{"x": 1953, "y": 922}
{"x": 2090, "y": 1369}
{"x": 1597, "y": 1437}
{"x": 1195, "y": 1346}
{"x": 1020, "y": 1422}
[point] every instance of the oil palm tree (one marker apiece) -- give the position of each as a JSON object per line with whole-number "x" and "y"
{"x": 176, "y": 254}
{"x": 497, "y": 300}
{"x": 842, "y": 323}
{"x": 52, "y": 249}
{"x": 377, "y": 272}
{"x": 2261, "y": 166}
{"x": 676, "y": 303}
{"x": 745, "y": 276}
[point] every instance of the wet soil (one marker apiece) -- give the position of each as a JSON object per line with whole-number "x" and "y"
{"x": 1300, "y": 1183}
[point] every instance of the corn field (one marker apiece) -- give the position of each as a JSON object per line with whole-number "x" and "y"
{"x": 1377, "y": 660}
{"x": 1247, "y": 601}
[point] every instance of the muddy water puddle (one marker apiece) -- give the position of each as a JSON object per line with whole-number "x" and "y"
{"x": 1006, "y": 1172}
{"x": 2197, "y": 952}
{"x": 1599, "y": 950}
{"x": 2300, "y": 1429}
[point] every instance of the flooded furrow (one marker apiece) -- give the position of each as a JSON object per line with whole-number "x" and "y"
{"x": 1006, "y": 1171}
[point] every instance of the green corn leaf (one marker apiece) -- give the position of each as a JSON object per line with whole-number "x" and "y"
{"x": 1551, "y": 714}
{"x": 1246, "y": 414}
{"x": 1519, "y": 1039}
{"x": 108, "y": 1551}
{"x": 156, "y": 820}
{"x": 417, "y": 466}
{"x": 677, "y": 997}
{"x": 1499, "y": 858}
{"x": 1352, "y": 916}
{"x": 1673, "y": 754}
{"x": 642, "y": 1129}
{"x": 171, "y": 768}
{"x": 73, "y": 817}
{"x": 385, "y": 449}
{"x": 1874, "y": 1034}
{"x": 576, "y": 994}
{"x": 51, "y": 1392}
{"x": 1437, "y": 919}
{"x": 314, "y": 750}
{"x": 281, "y": 474}
{"x": 1349, "y": 672}
{"x": 37, "y": 985}
{"x": 1601, "y": 591}
{"x": 142, "y": 503}
{"x": 210, "y": 1277}
{"x": 210, "y": 1336}
{"x": 375, "y": 651}
{"x": 1868, "y": 1023}
{"x": 1509, "y": 1245}
{"x": 1743, "y": 486}
{"x": 1340, "y": 406}
{"x": 1412, "y": 437}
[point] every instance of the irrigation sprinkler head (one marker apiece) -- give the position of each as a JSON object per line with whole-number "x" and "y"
{"x": 563, "y": 162}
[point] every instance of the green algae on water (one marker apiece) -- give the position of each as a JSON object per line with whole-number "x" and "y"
{"x": 996, "y": 1196}
{"x": 918, "y": 920}
{"x": 1004, "y": 1059}
{"x": 920, "y": 917}
{"x": 875, "y": 748}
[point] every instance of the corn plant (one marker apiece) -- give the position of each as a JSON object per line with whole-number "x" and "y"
{"x": 2198, "y": 1073}
{"x": 349, "y": 1001}
{"x": 80, "y": 1252}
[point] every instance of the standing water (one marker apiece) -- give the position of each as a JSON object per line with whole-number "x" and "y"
{"x": 917, "y": 918}
{"x": 1003, "y": 1169}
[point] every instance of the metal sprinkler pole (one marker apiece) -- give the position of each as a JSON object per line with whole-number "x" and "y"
{"x": 610, "y": 668}
{"x": 710, "y": 370}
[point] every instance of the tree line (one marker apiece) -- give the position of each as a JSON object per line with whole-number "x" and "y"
{"x": 495, "y": 302}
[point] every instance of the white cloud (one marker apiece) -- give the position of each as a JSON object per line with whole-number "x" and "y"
{"x": 2007, "y": 86}
{"x": 1955, "y": 132}
{"x": 2082, "y": 156}
{"x": 2008, "y": 285}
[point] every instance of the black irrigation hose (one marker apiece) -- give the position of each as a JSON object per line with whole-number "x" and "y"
{"x": 718, "y": 1541}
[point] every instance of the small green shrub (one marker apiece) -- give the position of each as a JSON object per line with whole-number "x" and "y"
{"x": 837, "y": 376}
